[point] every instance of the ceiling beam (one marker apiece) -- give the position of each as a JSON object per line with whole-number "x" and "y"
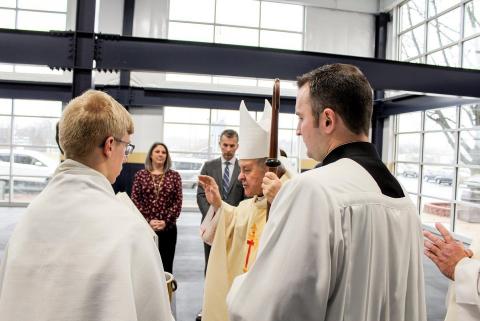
{"x": 114, "y": 52}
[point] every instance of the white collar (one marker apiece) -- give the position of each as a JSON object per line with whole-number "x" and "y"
{"x": 231, "y": 161}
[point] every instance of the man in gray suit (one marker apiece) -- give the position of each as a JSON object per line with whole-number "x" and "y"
{"x": 225, "y": 171}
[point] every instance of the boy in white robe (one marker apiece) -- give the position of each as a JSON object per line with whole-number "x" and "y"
{"x": 234, "y": 231}
{"x": 343, "y": 241}
{"x": 80, "y": 253}
{"x": 460, "y": 265}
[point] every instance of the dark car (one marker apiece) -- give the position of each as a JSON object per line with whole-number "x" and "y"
{"x": 409, "y": 173}
{"x": 429, "y": 177}
{"x": 444, "y": 179}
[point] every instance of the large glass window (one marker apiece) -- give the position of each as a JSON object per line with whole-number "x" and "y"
{"x": 471, "y": 56}
{"x": 472, "y": 18}
{"x": 32, "y": 15}
{"x": 437, "y": 160}
{"x": 443, "y": 30}
{"x": 247, "y": 22}
{"x": 412, "y": 43}
{"x": 412, "y": 13}
{"x": 438, "y": 6}
{"x": 437, "y": 32}
{"x": 437, "y": 152}
{"x": 192, "y": 136}
{"x": 28, "y": 152}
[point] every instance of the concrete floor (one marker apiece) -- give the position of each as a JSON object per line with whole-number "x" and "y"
{"x": 188, "y": 267}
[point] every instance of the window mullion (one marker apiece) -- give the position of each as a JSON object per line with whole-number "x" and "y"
{"x": 453, "y": 212}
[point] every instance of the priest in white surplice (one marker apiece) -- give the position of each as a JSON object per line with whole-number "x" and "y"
{"x": 234, "y": 231}
{"x": 460, "y": 265}
{"x": 79, "y": 253}
{"x": 343, "y": 241}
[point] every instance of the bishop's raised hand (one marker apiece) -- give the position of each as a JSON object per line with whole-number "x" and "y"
{"x": 212, "y": 192}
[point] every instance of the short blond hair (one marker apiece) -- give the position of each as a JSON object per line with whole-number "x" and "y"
{"x": 88, "y": 120}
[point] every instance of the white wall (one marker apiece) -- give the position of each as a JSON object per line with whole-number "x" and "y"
{"x": 339, "y": 32}
{"x": 387, "y": 5}
{"x": 110, "y": 17}
{"x": 148, "y": 124}
{"x": 151, "y": 18}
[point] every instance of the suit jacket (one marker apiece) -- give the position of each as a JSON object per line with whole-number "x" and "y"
{"x": 235, "y": 194}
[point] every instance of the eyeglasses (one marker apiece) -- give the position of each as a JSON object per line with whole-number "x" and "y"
{"x": 129, "y": 147}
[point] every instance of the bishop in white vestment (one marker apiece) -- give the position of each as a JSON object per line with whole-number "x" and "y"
{"x": 234, "y": 231}
{"x": 234, "y": 249}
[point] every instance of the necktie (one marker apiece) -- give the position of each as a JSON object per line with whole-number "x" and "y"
{"x": 226, "y": 180}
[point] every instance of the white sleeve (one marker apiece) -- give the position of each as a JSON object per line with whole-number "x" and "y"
{"x": 209, "y": 225}
{"x": 467, "y": 282}
{"x": 293, "y": 247}
{"x": 208, "y": 228}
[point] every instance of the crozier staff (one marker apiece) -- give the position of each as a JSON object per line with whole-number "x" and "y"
{"x": 272, "y": 162}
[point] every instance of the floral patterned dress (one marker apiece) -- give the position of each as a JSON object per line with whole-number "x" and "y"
{"x": 158, "y": 197}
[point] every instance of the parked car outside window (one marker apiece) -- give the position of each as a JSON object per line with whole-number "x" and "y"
{"x": 189, "y": 169}
{"x": 440, "y": 176}
{"x": 410, "y": 173}
{"x": 31, "y": 169}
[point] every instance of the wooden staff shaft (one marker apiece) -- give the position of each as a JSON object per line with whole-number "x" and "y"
{"x": 273, "y": 161}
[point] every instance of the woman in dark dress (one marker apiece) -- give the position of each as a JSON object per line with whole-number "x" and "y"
{"x": 157, "y": 193}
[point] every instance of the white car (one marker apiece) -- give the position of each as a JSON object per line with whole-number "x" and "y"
{"x": 30, "y": 169}
{"x": 189, "y": 169}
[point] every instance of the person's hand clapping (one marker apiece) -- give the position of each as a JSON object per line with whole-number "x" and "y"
{"x": 444, "y": 251}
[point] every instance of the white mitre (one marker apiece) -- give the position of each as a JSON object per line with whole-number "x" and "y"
{"x": 254, "y": 136}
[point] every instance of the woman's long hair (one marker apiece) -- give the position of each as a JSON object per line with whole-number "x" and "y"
{"x": 148, "y": 161}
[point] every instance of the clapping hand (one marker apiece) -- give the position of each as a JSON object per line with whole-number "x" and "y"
{"x": 444, "y": 251}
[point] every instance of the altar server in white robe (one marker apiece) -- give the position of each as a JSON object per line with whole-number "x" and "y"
{"x": 460, "y": 265}
{"x": 79, "y": 252}
{"x": 234, "y": 231}
{"x": 343, "y": 241}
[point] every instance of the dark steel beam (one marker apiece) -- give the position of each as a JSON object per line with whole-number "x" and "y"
{"x": 115, "y": 52}
{"x": 416, "y": 102}
{"x": 52, "y": 49}
{"x": 84, "y": 46}
{"x": 141, "y": 97}
{"x": 128, "y": 53}
{"x": 381, "y": 24}
{"x": 35, "y": 90}
{"x": 144, "y": 97}
{"x": 127, "y": 30}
